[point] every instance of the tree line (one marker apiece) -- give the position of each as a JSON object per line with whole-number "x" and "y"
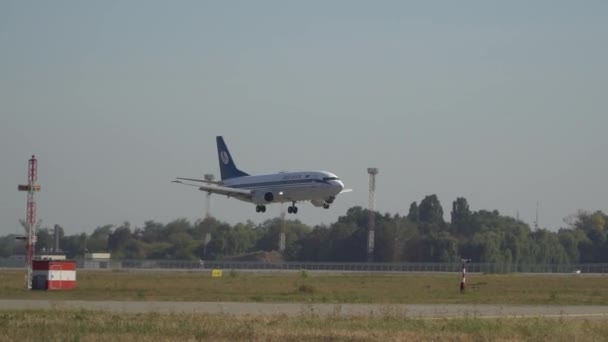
{"x": 420, "y": 236}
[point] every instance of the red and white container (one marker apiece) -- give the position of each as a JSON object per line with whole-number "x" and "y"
{"x": 54, "y": 275}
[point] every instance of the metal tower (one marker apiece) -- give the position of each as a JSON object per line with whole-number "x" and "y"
{"x": 372, "y": 171}
{"x": 30, "y": 222}
{"x": 207, "y": 238}
{"x": 208, "y": 177}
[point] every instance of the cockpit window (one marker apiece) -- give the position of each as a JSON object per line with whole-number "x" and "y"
{"x": 330, "y": 178}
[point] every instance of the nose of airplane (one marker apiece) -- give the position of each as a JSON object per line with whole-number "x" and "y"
{"x": 339, "y": 185}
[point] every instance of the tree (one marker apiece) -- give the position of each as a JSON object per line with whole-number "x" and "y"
{"x": 570, "y": 240}
{"x": 177, "y": 226}
{"x": 346, "y": 242}
{"x": 430, "y": 210}
{"x": 413, "y": 214}
{"x": 484, "y": 236}
{"x": 118, "y": 239}
{"x": 135, "y": 250}
{"x": 595, "y": 226}
{"x": 269, "y": 240}
{"x": 98, "y": 241}
{"x": 387, "y": 242}
{"x": 356, "y": 215}
{"x": 548, "y": 249}
{"x": 314, "y": 245}
{"x": 182, "y": 246}
{"x": 7, "y": 245}
{"x": 44, "y": 240}
{"x": 153, "y": 232}
{"x": 461, "y": 215}
{"x": 74, "y": 245}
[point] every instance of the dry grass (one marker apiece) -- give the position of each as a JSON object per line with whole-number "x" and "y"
{"x": 321, "y": 288}
{"x": 101, "y": 326}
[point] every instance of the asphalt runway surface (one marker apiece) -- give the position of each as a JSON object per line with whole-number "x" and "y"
{"x": 425, "y": 311}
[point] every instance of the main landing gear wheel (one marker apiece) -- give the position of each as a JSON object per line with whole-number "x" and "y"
{"x": 326, "y": 206}
{"x": 260, "y": 208}
{"x": 292, "y": 209}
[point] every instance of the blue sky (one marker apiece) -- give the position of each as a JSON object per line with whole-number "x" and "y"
{"x": 501, "y": 102}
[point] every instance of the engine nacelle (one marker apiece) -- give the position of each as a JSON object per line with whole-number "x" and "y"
{"x": 263, "y": 197}
{"x": 318, "y": 203}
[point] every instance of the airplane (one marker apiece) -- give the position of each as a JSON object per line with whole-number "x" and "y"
{"x": 318, "y": 187}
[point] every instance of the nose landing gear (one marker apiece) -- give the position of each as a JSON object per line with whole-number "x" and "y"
{"x": 260, "y": 208}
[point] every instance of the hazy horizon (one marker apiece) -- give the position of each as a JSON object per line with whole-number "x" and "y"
{"x": 499, "y": 102}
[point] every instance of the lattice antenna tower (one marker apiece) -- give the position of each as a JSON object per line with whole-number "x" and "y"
{"x": 372, "y": 171}
{"x": 30, "y": 222}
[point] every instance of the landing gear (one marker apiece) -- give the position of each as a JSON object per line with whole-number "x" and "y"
{"x": 292, "y": 209}
{"x": 326, "y": 206}
{"x": 260, "y": 208}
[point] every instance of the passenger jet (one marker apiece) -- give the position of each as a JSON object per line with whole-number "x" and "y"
{"x": 318, "y": 187}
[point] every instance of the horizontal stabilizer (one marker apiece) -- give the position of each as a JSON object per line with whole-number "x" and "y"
{"x": 218, "y": 189}
{"x": 200, "y": 180}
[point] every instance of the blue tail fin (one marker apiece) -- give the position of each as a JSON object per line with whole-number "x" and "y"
{"x": 227, "y": 167}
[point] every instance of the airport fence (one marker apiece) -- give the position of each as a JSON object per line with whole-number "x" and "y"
{"x": 160, "y": 265}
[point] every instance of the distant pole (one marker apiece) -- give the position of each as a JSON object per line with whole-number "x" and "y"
{"x": 208, "y": 177}
{"x": 463, "y": 280}
{"x": 372, "y": 171}
{"x": 206, "y": 241}
{"x": 207, "y": 238}
{"x": 536, "y": 220}
{"x": 30, "y": 226}
{"x": 282, "y": 231}
{"x": 56, "y": 232}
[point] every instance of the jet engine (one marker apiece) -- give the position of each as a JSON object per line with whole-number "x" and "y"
{"x": 263, "y": 197}
{"x": 321, "y": 203}
{"x": 317, "y": 202}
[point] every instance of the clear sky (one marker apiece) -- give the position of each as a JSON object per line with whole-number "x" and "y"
{"x": 502, "y": 102}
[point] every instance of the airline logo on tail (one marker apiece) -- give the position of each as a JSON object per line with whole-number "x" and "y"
{"x": 224, "y": 157}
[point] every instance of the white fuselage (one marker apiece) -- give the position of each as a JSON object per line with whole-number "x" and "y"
{"x": 315, "y": 186}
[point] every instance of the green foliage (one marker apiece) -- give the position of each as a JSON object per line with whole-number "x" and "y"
{"x": 461, "y": 217}
{"x": 421, "y": 236}
{"x": 413, "y": 214}
{"x": 8, "y": 246}
{"x": 430, "y": 210}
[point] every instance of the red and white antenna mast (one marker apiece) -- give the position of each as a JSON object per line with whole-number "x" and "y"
{"x": 30, "y": 222}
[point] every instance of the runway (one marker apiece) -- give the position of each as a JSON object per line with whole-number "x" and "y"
{"x": 424, "y": 311}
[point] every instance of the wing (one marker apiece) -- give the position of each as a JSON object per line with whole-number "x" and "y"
{"x": 220, "y": 190}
